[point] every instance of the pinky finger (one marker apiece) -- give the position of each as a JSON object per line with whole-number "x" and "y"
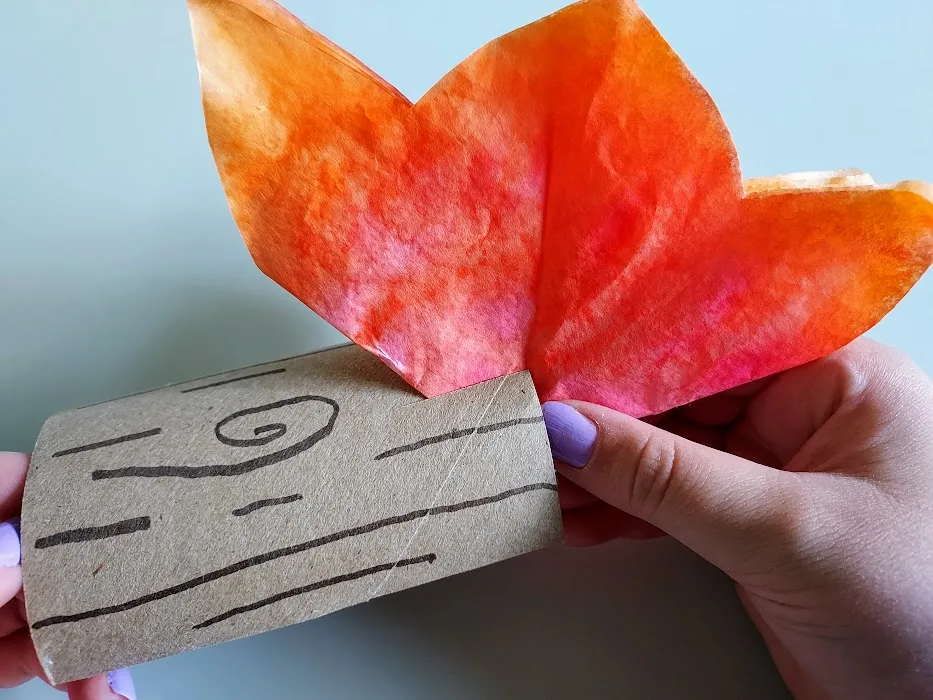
{"x": 10, "y": 620}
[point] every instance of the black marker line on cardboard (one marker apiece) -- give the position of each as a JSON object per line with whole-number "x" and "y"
{"x": 107, "y": 443}
{"x": 456, "y": 434}
{"x": 223, "y": 382}
{"x": 265, "y": 503}
{"x": 87, "y": 534}
{"x": 301, "y": 590}
{"x": 288, "y": 551}
{"x": 264, "y": 434}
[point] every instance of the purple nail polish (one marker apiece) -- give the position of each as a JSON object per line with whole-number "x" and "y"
{"x": 121, "y": 682}
{"x": 10, "y": 550}
{"x": 572, "y": 435}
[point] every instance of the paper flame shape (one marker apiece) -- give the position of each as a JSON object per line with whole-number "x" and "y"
{"x": 568, "y": 200}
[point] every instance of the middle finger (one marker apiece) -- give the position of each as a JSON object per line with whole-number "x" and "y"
{"x": 10, "y": 619}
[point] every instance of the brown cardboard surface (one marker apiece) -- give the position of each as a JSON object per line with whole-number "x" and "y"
{"x": 233, "y": 505}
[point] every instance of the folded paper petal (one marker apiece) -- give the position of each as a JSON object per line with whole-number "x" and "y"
{"x": 567, "y": 199}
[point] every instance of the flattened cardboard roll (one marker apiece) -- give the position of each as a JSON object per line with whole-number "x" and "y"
{"x": 225, "y": 507}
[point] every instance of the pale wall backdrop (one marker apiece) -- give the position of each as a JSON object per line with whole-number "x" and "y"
{"x": 121, "y": 269}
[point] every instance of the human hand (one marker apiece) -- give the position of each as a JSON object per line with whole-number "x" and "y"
{"x": 812, "y": 490}
{"x": 18, "y": 660}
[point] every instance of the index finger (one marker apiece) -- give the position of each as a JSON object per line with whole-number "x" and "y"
{"x": 722, "y": 409}
{"x": 13, "y": 467}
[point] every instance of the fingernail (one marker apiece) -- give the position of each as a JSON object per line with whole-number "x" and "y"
{"x": 121, "y": 682}
{"x": 10, "y": 550}
{"x": 572, "y": 435}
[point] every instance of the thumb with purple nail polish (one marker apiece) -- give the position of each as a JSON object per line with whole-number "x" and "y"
{"x": 572, "y": 435}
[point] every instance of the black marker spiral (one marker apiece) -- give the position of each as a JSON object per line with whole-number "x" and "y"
{"x": 264, "y": 434}
{"x": 274, "y": 430}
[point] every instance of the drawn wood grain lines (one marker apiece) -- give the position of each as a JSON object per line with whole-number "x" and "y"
{"x": 87, "y": 534}
{"x": 107, "y": 443}
{"x": 264, "y": 434}
{"x": 457, "y": 434}
{"x": 265, "y": 503}
{"x": 289, "y": 551}
{"x": 224, "y": 382}
{"x": 318, "y": 585}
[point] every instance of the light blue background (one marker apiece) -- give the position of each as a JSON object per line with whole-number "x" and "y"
{"x": 121, "y": 269}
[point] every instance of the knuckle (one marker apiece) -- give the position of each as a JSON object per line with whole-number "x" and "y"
{"x": 652, "y": 475}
